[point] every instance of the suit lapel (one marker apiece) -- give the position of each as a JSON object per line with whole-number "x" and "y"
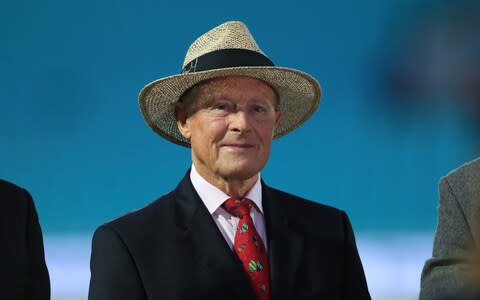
{"x": 216, "y": 266}
{"x": 284, "y": 246}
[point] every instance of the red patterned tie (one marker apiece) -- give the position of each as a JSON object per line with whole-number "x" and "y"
{"x": 249, "y": 248}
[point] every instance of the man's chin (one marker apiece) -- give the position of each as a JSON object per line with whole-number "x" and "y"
{"x": 240, "y": 174}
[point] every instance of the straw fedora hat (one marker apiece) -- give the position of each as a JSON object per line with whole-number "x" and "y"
{"x": 228, "y": 50}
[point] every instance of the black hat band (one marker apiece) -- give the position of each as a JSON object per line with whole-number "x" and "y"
{"x": 227, "y": 58}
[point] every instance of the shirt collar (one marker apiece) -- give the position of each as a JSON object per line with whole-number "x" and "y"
{"x": 213, "y": 197}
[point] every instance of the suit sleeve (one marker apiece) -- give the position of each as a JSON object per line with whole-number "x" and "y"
{"x": 355, "y": 284}
{"x": 114, "y": 275}
{"x": 445, "y": 271}
{"x": 37, "y": 279}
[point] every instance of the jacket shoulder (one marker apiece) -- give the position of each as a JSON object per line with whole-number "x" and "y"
{"x": 304, "y": 205}
{"x": 9, "y": 188}
{"x": 309, "y": 216}
{"x": 13, "y": 196}
{"x": 464, "y": 179}
{"x": 469, "y": 169}
{"x": 137, "y": 221}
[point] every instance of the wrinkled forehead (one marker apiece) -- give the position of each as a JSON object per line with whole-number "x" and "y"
{"x": 222, "y": 86}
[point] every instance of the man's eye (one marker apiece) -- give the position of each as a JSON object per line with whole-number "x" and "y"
{"x": 259, "y": 108}
{"x": 221, "y": 107}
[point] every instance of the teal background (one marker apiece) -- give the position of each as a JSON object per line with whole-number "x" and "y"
{"x": 400, "y": 109}
{"x": 72, "y": 134}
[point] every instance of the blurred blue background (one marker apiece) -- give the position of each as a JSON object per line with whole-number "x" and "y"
{"x": 401, "y": 85}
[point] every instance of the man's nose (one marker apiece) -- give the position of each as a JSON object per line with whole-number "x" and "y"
{"x": 240, "y": 121}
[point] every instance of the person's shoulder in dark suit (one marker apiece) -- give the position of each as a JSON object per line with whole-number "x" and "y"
{"x": 23, "y": 274}
{"x": 327, "y": 229}
{"x": 304, "y": 210}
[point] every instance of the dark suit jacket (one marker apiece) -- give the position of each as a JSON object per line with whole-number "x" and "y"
{"x": 172, "y": 249}
{"x": 23, "y": 273}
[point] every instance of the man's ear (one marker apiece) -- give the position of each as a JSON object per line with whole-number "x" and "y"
{"x": 278, "y": 116}
{"x": 180, "y": 113}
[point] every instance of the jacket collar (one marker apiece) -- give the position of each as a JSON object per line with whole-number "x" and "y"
{"x": 200, "y": 232}
{"x": 285, "y": 244}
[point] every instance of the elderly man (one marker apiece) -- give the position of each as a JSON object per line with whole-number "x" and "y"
{"x": 223, "y": 233}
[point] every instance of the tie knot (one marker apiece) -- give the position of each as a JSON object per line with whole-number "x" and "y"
{"x": 238, "y": 207}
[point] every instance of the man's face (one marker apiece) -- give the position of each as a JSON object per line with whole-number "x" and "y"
{"x": 229, "y": 122}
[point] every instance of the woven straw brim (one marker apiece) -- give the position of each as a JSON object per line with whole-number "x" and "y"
{"x": 299, "y": 95}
